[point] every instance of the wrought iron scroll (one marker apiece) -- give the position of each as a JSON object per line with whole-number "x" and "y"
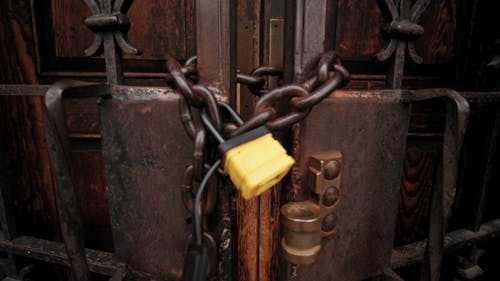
{"x": 110, "y": 24}
{"x": 402, "y": 30}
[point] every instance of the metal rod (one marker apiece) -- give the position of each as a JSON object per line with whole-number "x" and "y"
{"x": 312, "y": 36}
{"x": 414, "y": 253}
{"x": 215, "y": 25}
{"x": 112, "y": 53}
{"x": 55, "y": 252}
{"x": 67, "y": 204}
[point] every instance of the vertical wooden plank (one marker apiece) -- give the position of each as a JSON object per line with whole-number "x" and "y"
{"x": 419, "y": 166}
{"x": 247, "y": 212}
{"x": 22, "y": 135}
{"x": 160, "y": 26}
{"x": 71, "y": 36}
{"x": 269, "y": 207}
{"x": 22, "y": 131}
{"x": 92, "y": 197}
{"x": 17, "y": 48}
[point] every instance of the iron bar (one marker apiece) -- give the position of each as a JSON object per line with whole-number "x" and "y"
{"x": 216, "y": 57}
{"x": 444, "y": 190}
{"x": 54, "y": 252}
{"x": 67, "y": 204}
{"x": 312, "y": 36}
{"x": 23, "y": 90}
{"x": 414, "y": 253}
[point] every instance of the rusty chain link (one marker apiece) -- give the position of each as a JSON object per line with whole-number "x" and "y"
{"x": 256, "y": 80}
{"x": 301, "y": 98}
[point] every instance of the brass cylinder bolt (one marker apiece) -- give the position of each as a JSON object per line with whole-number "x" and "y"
{"x": 301, "y": 224}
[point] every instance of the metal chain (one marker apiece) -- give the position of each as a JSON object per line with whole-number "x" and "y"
{"x": 330, "y": 75}
{"x": 301, "y": 98}
{"x": 197, "y": 96}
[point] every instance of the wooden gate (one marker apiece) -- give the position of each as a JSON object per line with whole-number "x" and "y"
{"x": 92, "y": 172}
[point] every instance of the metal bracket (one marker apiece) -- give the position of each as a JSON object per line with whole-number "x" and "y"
{"x": 306, "y": 222}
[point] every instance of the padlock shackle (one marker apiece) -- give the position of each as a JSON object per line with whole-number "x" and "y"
{"x": 208, "y": 124}
{"x": 235, "y": 116}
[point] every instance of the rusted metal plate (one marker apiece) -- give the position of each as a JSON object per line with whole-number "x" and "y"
{"x": 369, "y": 129}
{"x": 145, "y": 151}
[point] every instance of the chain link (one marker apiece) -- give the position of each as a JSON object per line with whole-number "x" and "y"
{"x": 330, "y": 75}
{"x": 188, "y": 192}
{"x": 300, "y": 99}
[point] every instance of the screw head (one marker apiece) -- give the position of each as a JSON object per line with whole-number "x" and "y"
{"x": 331, "y": 196}
{"x": 329, "y": 222}
{"x": 332, "y": 170}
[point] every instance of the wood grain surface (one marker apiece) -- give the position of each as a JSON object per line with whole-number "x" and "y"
{"x": 247, "y": 212}
{"x": 419, "y": 167}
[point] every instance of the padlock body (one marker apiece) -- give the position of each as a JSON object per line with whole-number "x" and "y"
{"x": 257, "y": 165}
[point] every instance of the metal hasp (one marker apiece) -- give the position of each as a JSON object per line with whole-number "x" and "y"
{"x": 143, "y": 178}
{"x": 306, "y": 222}
{"x": 369, "y": 128}
{"x": 141, "y": 182}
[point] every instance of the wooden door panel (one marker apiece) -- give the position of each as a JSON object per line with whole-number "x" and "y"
{"x": 157, "y": 28}
{"x": 359, "y": 37}
{"x": 358, "y": 34}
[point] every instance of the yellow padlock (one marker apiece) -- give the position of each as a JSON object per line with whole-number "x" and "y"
{"x": 254, "y": 160}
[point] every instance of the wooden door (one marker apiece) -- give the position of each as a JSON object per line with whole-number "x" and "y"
{"x": 44, "y": 41}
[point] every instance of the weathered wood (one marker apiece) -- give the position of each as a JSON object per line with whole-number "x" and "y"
{"x": 269, "y": 236}
{"x": 436, "y": 46}
{"x": 270, "y": 201}
{"x": 247, "y": 212}
{"x": 90, "y": 189}
{"x": 358, "y": 37}
{"x": 157, "y": 27}
{"x": 419, "y": 167}
{"x": 21, "y": 127}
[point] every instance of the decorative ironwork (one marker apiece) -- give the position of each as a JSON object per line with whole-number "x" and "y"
{"x": 110, "y": 24}
{"x": 402, "y": 31}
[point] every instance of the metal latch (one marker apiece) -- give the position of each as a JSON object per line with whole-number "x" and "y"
{"x": 305, "y": 223}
